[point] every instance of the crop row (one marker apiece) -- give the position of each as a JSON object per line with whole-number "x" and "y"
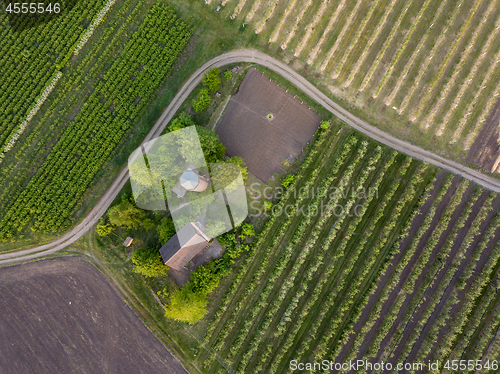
{"x": 443, "y": 283}
{"x": 374, "y": 266}
{"x": 460, "y": 317}
{"x": 401, "y": 49}
{"x": 465, "y": 61}
{"x": 389, "y": 318}
{"x": 288, "y": 253}
{"x": 340, "y": 253}
{"x": 28, "y": 62}
{"x": 63, "y": 178}
{"x": 229, "y": 298}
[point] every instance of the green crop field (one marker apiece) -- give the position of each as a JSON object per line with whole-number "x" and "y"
{"x": 423, "y": 70}
{"x": 89, "y": 121}
{"x": 409, "y": 273}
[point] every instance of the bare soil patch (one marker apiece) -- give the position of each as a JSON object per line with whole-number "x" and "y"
{"x": 265, "y": 125}
{"x": 485, "y": 151}
{"x": 62, "y": 316}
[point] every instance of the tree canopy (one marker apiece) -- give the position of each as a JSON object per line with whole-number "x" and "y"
{"x": 186, "y": 306}
{"x": 203, "y": 100}
{"x": 165, "y": 230}
{"x": 212, "y": 147}
{"x": 103, "y": 228}
{"x": 148, "y": 262}
{"x": 127, "y": 215}
{"x": 211, "y": 80}
{"x": 181, "y": 121}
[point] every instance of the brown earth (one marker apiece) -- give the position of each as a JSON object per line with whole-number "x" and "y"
{"x": 264, "y": 143}
{"x": 460, "y": 269}
{"x": 62, "y": 316}
{"x": 382, "y": 282}
{"x": 485, "y": 151}
{"x": 430, "y": 291}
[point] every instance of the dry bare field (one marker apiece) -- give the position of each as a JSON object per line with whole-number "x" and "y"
{"x": 62, "y": 316}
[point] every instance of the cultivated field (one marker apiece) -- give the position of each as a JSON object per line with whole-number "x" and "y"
{"x": 91, "y": 113}
{"x": 405, "y": 274}
{"x": 424, "y": 70}
{"x": 265, "y": 125}
{"x": 62, "y": 316}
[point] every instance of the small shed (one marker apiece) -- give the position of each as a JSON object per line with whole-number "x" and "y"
{"x": 128, "y": 241}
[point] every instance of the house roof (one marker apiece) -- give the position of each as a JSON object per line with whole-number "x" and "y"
{"x": 128, "y": 241}
{"x": 189, "y": 180}
{"x": 183, "y": 246}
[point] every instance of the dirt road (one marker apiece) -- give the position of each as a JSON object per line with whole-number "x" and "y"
{"x": 239, "y": 56}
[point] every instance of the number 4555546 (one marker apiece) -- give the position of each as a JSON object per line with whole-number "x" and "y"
{"x": 478, "y": 365}
{"x": 33, "y": 8}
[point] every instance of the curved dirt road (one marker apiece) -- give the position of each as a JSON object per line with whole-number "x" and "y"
{"x": 239, "y": 56}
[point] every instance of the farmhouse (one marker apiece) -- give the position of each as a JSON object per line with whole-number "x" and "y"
{"x": 266, "y": 125}
{"x": 183, "y": 246}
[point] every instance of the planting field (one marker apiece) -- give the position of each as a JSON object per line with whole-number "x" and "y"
{"x": 406, "y": 273}
{"x": 32, "y": 52}
{"x": 89, "y": 115}
{"x": 265, "y": 125}
{"x": 62, "y": 316}
{"x": 426, "y": 71}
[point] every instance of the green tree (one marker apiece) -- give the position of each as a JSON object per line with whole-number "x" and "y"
{"x": 237, "y": 160}
{"x": 165, "y": 230}
{"x": 203, "y": 280}
{"x": 211, "y": 80}
{"x": 103, "y": 228}
{"x": 324, "y": 125}
{"x": 247, "y": 229}
{"x": 203, "y": 101}
{"x": 183, "y": 120}
{"x": 186, "y": 306}
{"x": 148, "y": 262}
{"x": 126, "y": 215}
{"x": 228, "y": 75}
{"x": 212, "y": 147}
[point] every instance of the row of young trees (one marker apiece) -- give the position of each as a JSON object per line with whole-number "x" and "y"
{"x": 438, "y": 279}
{"x": 250, "y": 274}
{"x": 323, "y": 272}
{"x": 363, "y": 282}
{"x": 387, "y": 320}
{"x": 128, "y": 85}
{"x": 281, "y": 263}
{"x": 284, "y": 294}
{"x": 302, "y": 253}
{"x": 31, "y": 56}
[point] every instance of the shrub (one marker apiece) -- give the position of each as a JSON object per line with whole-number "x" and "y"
{"x": 186, "y": 306}
{"x": 165, "y": 230}
{"x": 228, "y": 75}
{"x": 103, "y": 228}
{"x": 324, "y": 125}
{"x": 211, "y": 80}
{"x": 203, "y": 280}
{"x": 148, "y": 262}
{"x": 203, "y": 101}
{"x": 247, "y": 229}
{"x": 288, "y": 180}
